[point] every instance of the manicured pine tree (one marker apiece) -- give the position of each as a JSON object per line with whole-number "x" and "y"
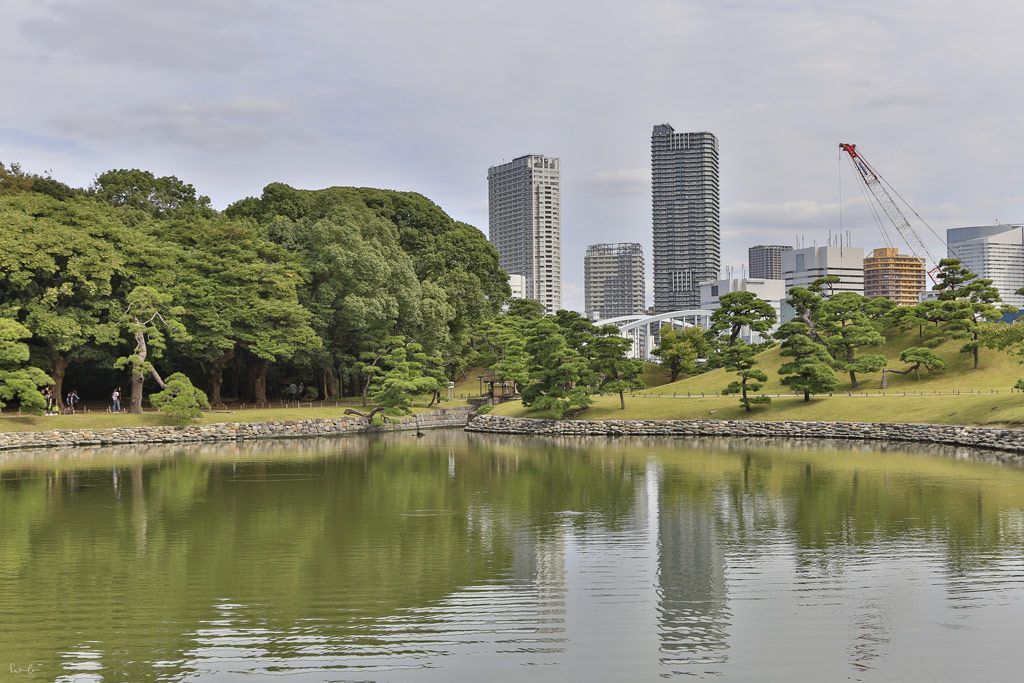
{"x": 616, "y": 372}
{"x": 741, "y": 359}
{"x": 810, "y": 369}
{"x": 967, "y": 302}
{"x": 560, "y": 376}
{"x": 738, "y": 310}
{"x": 846, "y": 327}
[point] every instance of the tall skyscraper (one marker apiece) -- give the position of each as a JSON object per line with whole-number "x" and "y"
{"x": 613, "y": 280}
{"x": 685, "y": 216}
{"x": 524, "y": 211}
{"x": 765, "y": 260}
{"x": 995, "y": 252}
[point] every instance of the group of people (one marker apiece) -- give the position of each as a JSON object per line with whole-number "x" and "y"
{"x": 71, "y": 401}
{"x": 295, "y": 391}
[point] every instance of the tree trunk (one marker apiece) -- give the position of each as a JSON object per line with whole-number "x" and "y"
{"x": 259, "y": 382}
{"x": 60, "y": 365}
{"x": 216, "y": 378}
{"x": 743, "y": 393}
{"x": 975, "y": 350}
{"x": 853, "y": 379}
{"x": 807, "y": 396}
{"x": 622, "y": 400}
{"x": 138, "y": 382}
{"x": 138, "y": 373}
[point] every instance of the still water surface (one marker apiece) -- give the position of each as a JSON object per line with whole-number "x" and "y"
{"x": 462, "y": 557}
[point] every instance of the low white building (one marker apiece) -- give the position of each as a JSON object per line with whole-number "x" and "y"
{"x": 518, "y": 285}
{"x": 801, "y": 267}
{"x": 772, "y": 291}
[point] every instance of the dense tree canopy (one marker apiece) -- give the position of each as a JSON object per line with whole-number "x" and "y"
{"x": 140, "y": 270}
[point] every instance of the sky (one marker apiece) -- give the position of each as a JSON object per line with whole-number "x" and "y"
{"x": 230, "y": 95}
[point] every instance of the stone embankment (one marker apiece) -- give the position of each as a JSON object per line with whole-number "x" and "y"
{"x": 230, "y": 431}
{"x": 1011, "y": 440}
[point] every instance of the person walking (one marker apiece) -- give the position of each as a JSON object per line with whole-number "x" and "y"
{"x": 48, "y": 397}
{"x": 72, "y": 400}
{"x": 115, "y": 401}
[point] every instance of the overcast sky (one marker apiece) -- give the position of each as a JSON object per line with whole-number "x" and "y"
{"x": 425, "y": 95}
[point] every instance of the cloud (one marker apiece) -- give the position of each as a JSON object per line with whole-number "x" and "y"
{"x": 215, "y": 125}
{"x": 233, "y": 94}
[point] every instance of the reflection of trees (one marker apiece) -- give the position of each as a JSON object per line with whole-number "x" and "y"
{"x": 297, "y": 532}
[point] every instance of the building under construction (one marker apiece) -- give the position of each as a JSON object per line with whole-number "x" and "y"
{"x": 894, "y": 276}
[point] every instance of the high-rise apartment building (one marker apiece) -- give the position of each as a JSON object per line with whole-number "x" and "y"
{"x": 613, "y": 280}
{"x": 801, "y": 267}
{"x": 995, "y": 252}
{"x": 765, "y": 260}
{"x": 685, "y": 216}
{"x": 524, "y": 212}
{"x": 894, "y": 276}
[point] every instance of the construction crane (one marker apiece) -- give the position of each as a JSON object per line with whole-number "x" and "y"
{"x": 883, "y": 194}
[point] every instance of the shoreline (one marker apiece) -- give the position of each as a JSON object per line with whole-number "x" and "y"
{"x": 229, "y": 431}
{"x": 989, "y": 438}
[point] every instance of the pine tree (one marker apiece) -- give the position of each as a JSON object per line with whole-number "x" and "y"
{"x": 810, "y": 370}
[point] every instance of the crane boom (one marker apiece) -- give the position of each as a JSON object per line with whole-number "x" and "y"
{"x": 890, "y": 208}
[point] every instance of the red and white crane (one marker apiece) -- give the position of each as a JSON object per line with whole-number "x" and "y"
{"x": 883, "y": 193}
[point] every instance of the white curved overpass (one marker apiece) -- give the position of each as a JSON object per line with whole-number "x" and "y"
{"x": 642, "y": 330}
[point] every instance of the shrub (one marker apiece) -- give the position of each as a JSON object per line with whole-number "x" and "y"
{"x": 180, "y": 400}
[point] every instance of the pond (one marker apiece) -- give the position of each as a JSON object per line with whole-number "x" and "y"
{"x": 475, "y": 557}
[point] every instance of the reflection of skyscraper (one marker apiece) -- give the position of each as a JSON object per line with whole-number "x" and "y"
{"x": 692, "y": 611}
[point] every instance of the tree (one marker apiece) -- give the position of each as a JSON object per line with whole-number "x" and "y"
{"x": 409, "y": 372}
{"x": 560, "y": 376}
{"x": 616, "y": 372}
{"x": 741, "y": 359}
{"x": 967, "y": 302}
{"x": 241, "y": 295}
{"x": 844, "y": 324}
{"x": 17, "y": 379}
{"x": 917, "y": 356}
{"x": 147, "y": 317}
{"x": 138, "y": 189}
{"x": 59, "y": 262}
{"x": 180, "y": 400}
{"x": 810, "y": 370}
{"x": 738, "y": 310}
{"x": 680, "y": 349}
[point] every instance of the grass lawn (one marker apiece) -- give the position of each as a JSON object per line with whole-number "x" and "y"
{"x": 1002, "y": 408}
{"x": 26, "y": 423}
{"x": 998, "y": 371}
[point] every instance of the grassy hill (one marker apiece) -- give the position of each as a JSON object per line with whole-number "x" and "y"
{"x": 998, "y": 371}
{"x": 956, "y": 395}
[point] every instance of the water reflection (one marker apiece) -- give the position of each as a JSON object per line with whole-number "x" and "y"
{"x": 466, "y": 557}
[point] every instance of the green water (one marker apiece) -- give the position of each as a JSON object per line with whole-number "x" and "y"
{"x": 461, "y": 557}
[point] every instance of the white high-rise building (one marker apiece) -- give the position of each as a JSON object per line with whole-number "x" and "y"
{"x": 995, "y": 252}
{"x": 801, "y": 267}
{"x": 524, "y": 211}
